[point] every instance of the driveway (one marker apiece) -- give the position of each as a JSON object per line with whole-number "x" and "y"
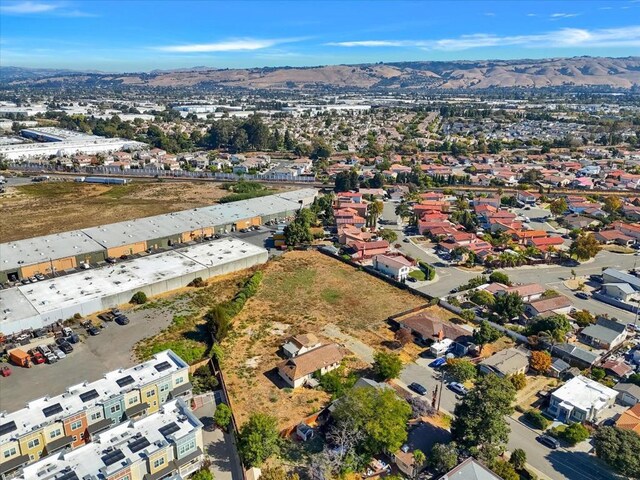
{"x": 362, "y": 350}
{"x": 220, "y": 447}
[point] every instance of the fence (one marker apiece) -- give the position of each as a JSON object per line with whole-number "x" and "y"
{"x": 615, "y": 302}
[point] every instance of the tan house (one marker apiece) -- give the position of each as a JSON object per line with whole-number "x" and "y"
{"x": 300, "y": 344}
{"x": 505, "y": 363}
{"x": 299, "y": 370}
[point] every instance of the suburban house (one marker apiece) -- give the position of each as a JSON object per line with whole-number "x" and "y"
{"x": 628, "y": 393}
{"x": 558, "y": 368}
{"x": 547, "y": 306}
{"x": 630, "y": 419}
{"x": 613, "y": 236}
{"x": 300, "y": 344}
{"x": 581, "y": 399}
{"x": 528, "y": 292}
{"x": 470, "y": 469}
{"x": 611, "y": 275}
{"x": 504, "y": 363}
{"x": 299, "y": 370}
{"x": 617, "y": 368}
{"x": 620, "y": 291}
{"x": 575, "y": 355}
{"x": 397, "y": 267}
{"x": 430, "y": 330}
{"x": 605, "y": 334}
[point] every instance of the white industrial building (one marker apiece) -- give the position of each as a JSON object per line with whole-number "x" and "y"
{"x": 43, "y": 303}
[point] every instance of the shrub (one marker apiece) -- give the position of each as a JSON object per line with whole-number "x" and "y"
{"x": 519, "y": 381}
{"x": 460, "y": 369}
{"x": 598, "y": 373}
{"x": 222, "y": 416}
{"x": 387, "y": 365}
{"x": 574, "y": 434}
{"x": 499, "y": 277}
{"x": 418, "y": 275}
{"x": 138, "y": 298}
{"x": 540, "y": 361}
{"x": 536, "y": 419}
{"x": 197, "y": 282}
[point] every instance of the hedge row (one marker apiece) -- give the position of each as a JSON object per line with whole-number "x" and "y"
{"x": 248, "y": 290}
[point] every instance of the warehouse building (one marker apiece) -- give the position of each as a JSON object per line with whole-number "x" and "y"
{"x": 49, "y": 425}
{"x": 167, "y": 444}
{"x": 25, "y": 258}
{"x": 43, "y": 303}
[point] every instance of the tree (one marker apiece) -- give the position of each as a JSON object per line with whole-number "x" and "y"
{"x": 299, "y": 231}
{"x": 258, "y": 439}
{"x": 584, "y": 318}
{"x": 574, "y": 434}
{"x": 482, "y": 298}
{"x": 479, "y": 424}
{"x": 461, "y": 370}
{"x": 202, "y": 474}
{"x": 421, "y": 408}
{"x": 518, "y": 380}
{"x": 418, "y": 459}
{"x": 540, "y": 361}
{"x": 277, "y": 473}
{"x": 468, "y": 314}
{"x": 584, "y": 247}
{"x": 443, "y": 457}
{"x": 504, "y": 470}
{"x": 598, "y": 373}
{"x": 379, "y": 414}
{"x": 346, "y": 181}
{"x": 403, "y": 336}
{"x": 554, "y": 327}
{"x": 388, "y": 235}
{"x": 518, "y": 458}
{"x": 499, "y": 277}
{"x": 486, "y": 334}
{"x": 222, "y": 415}
{"x": 619, "y": 449}
{"x": 508, "y": 306}
{"x": 536, "y": 419}
{"x": 218, "y": 322}
{"x": 612, "y": 204}
{"x": 558, "y": 206}
{"x": 374, "y": 210}
{"x": 387, "y": 365}
{"x": 138, "y": 298}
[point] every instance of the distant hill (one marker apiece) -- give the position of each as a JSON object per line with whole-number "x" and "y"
{"x": 555, "y": 72}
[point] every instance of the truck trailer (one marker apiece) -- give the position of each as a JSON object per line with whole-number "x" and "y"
{"x": 20, "y": 358}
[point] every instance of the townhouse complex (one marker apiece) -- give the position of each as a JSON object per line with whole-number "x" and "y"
{"x": 54, "y": 425}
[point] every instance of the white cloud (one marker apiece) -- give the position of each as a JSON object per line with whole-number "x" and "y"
{"x": 489, "y": 14}
{"x": 28, "y": 8}
{"x": 532, "y": 14}
{"x": 563, "y": 38}
{"x": 563, "y": 15}
{"x": 233, "y": 45}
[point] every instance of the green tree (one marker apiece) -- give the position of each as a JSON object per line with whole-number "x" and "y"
{"x": 138, "y": 298}
{"x": 443, "y": 457}
{"x": 202, "y": 474}
{"x": 619, "y": 449}
{"x": 584, "y": 247}
{"x": 388, "y": 235}
{"x": 558, "y": 206}
{"x": 258, "y": 439}
{"x": 518, "y": 458}
{"x": 504, "y": 470}
{"x": 508, "y": 306}
{"x": 612, "y": 204}
{"x": 574, "y": 434}
{"x": 536, "y": 419}
{"x": 222, "y": 415}
{"x": 555, "y": 326}
{"x": 482, "y": 298}
{"x": 598, "y": 373}
{"x": 584, "y": 318}
{"x": 419, "y": 459}
{"x": 218, "y": 322}
{"x": 380, "y": 416}
{"x": 299, "y": 231}
{"x": 468, "y": 314}
{"x": 277, "y": 473}
{"x": 518, "y": 380}
{"x": 485, "y": 334}
{"x": 387, "y": 365}
{"x": 461, "y": 370}
{"x": 499, "y": 277}
{"x": 346, "y": 181}
{"x": 479, "y": 424}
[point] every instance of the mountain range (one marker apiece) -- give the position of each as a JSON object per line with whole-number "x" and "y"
{"x": 623, "y": 73}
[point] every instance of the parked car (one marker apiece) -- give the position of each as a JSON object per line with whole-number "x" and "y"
{"x": 548, "y": 441}
{"x": 582, "y": 295}
{"x": 70, "y": 336}
{"x": 40, "y": 276}
{"x": 43, "y": 349}
{"x": 122, "y": 320}
{"x": 457, "y": 388}
{"x": 93, "y": 330}
{"x": 64, "y": 345}
{"x": 412, "y": 279}
{"x": 25, "y": 281}
{"x": 406, "y": 240}
{"x": 110, "y": 260}
{"x": 57, "y": 352}
{"x": 33, "y": 279}
{"x": 51, "y": 358}
{"x": 36, "y": 357}
{"x": 416, "y": 387}
{"x": 5, "y": 371}
{"x": 438, "y": 362}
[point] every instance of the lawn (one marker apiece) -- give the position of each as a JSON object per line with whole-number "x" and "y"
{"x": 83, "y": 205}
{"x": 301, "y": 293}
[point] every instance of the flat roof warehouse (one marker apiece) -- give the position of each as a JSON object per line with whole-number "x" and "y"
{"x": 96, "y": 243}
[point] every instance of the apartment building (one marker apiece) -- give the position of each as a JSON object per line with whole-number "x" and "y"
{"x": 53, "y": 424}
{"x": 167, "y": 443}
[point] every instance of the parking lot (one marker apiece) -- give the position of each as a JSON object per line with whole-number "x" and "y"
{"x": 91, "y": 358}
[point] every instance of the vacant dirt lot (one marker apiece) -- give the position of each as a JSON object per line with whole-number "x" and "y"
{"x": 57, "y": 206}
{"x": 302, "y": 292}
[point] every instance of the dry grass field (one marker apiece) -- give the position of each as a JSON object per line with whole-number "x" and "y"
{"x": 57, "y": 206}
{"x": 302, "y": 292}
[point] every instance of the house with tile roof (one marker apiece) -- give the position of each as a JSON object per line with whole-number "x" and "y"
{"x": 299, "y": 370}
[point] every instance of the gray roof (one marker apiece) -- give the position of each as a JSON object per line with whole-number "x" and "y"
{"x": 576, "y": 353}
{"x": 605, "y": 330}
{"x": 621, "y": 277}
{"x": 630, "y": 388}
{"x": 470, "y": 469}
{"x": 624, "y": 287}
{"x": 560, "y": 365}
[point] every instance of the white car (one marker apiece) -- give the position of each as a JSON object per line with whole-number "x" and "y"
{"x": 58, "y": 353}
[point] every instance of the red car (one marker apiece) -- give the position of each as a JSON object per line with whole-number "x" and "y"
{"x": 5, "y": 371}
{"x": 37, "y": 357}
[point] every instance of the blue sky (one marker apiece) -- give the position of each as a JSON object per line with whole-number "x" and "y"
{"x": 132, "y": 35}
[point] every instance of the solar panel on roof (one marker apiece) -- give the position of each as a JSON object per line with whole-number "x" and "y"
{"x": 124, "y": 381}
{"x": 7, "y": 427}
{"x": 169, "y": 429}
{"x": 161, "y": 367}
{"x": 112, "y": 457}
{"x": 90, "y": 395}
{"x": 68, "y": 475}
{"x": 138, "y": 444}
{"x": 52, "y": 410}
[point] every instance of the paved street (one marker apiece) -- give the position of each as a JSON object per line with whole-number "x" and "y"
{"x": 558, "y": 464}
